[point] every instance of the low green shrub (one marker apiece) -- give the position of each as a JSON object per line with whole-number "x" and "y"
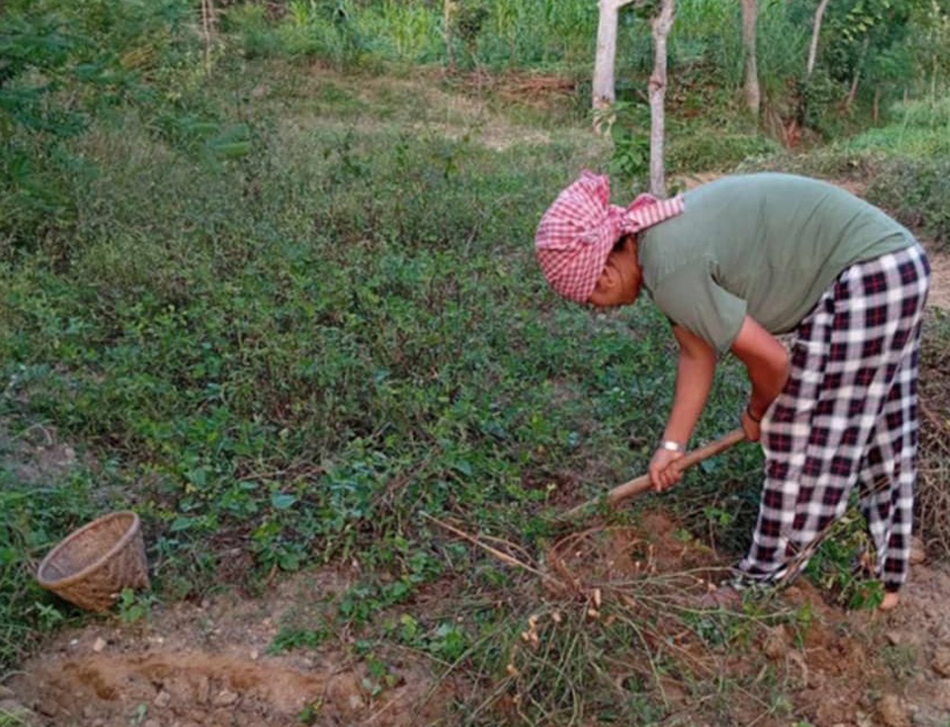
{"x": 917, "y": 191}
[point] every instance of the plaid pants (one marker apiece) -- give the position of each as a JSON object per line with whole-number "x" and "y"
{"x": 847, "y": 415}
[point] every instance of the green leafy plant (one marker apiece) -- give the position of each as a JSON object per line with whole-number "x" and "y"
{"x": 310, "y": 713}
{"x": 835, "y": 565}
{"x": 135, "y": 607}
{"x": 291, "y": 637}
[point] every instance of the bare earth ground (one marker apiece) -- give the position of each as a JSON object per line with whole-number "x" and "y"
{"x": 207, "y": 664}
{"x": 939, "y": 279}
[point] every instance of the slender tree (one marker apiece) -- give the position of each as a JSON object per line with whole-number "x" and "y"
{"x": 605, "y": 58}
{"x": 859, "y": 68}
{"x": 448, "y": 10}
{"x": 750, "y": 17}
{"x": 661, "y": 24}
{"x": 208, "y": 22}
{"x": 815, "y": 32}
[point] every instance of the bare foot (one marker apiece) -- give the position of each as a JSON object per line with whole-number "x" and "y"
{"x": 890, "y": 601}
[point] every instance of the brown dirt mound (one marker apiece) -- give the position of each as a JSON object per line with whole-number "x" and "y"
{"x": 794, "y": 659}
{"x": 610, "y": 557}
{"x": 195, "y": 687}
{"x": 208, "y": 665}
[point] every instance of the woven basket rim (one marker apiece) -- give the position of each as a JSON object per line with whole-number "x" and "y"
{"x": 130, "y": 533}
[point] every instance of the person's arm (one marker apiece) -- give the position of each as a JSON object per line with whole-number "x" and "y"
{"x": 694, "y": 376}
{"x": 767, "y": 363}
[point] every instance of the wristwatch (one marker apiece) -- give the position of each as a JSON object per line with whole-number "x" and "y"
{"x": 670, "y": 446}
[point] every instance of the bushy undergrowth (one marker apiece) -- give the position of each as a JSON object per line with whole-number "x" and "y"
{"x": 918, "y": 193}
{"x": 904, "y": 165}
{"x": 301, "y": 343}
{"x": 34, "y": 515}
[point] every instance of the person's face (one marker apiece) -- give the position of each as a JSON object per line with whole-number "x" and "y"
{"x": 619, "y": 283}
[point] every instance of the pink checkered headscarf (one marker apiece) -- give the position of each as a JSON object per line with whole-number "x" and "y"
{"x": 579, "y": 230}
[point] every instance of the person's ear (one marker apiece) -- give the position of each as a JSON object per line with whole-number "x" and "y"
{"x": 603, "y": 285}
{"x": 603, "y": 288}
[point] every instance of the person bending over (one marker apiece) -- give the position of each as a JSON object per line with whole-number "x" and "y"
{"x": 732, "y": 264}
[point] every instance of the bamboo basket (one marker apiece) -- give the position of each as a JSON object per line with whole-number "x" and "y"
{"x": 93, "y": 564}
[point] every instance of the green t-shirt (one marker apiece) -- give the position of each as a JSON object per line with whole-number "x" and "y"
{"x": 763, "y": 245}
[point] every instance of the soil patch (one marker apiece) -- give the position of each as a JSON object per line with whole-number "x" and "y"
{"x": 209, "y": 664}
{"x": 790, "y": 658}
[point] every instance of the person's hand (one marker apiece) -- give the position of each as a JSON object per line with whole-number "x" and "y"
{"x": 664, "y": 469}
{"x": 751, "y": 427}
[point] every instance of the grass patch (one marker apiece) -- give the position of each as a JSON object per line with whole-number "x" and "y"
{"x": 903, "y": 164}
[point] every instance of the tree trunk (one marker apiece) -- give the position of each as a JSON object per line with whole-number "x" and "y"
{"x": 815, "y": 32}
{"x": 606, "y": 55}
{"x": 876, "y": 112}
{"x": 448, "y": 7}
{"x": 662, "y": 24}
{"x": 852, "y": 94}
{"x": 750, "y": 16}
{"x": 208, "y": 22}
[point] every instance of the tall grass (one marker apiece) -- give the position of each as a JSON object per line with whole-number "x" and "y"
{"x": 705, "y": 47}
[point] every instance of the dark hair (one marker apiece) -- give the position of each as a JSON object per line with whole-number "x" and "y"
{"x": 623, "y": 238}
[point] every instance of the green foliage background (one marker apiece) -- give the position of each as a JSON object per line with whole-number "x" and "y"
{"x": 288, "y": 309}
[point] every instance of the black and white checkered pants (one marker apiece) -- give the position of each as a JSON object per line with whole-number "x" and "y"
{"x": 847, "y": 415}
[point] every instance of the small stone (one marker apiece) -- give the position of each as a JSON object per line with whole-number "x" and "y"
{"x": 88, "y": 711}
{"x": 99, "y": 645}
{"x": 917, "y": 553}
{"x": 776, "y": 645}
{"x": 205, "y": 603}
{"x": 892, "y": 712}
{"x": 894, "y": 638}
{"x": 356, "y": 702}
{"x": 942, "y": 694}
{"x": 941, "y": 661}
{"x": 202, "y": 689}
{"x": 255, "y": 654}
{"x": 47, "y": 708}
{"x": 99, "y": 722}
{"x": 163, "y": 699}
{"x": 225, "y": 698}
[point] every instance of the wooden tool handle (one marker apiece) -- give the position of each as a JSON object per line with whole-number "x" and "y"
{"x": 642, "y": 483}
